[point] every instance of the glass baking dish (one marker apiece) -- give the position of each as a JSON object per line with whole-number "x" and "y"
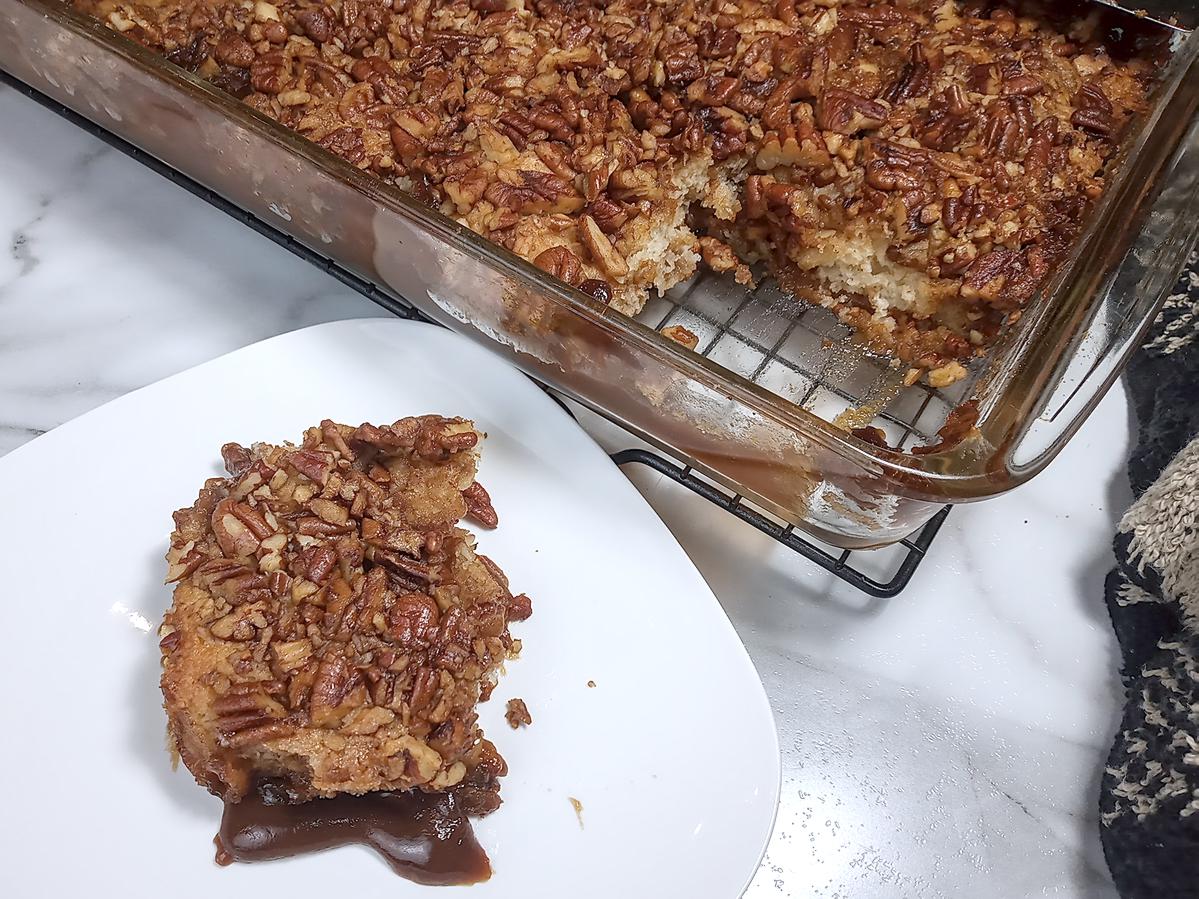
{"x": 767, "y": 404}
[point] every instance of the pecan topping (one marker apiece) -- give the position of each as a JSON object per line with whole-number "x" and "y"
{"x": 583, "y": 135}
{"x": 313, "y": 465}
{"x": 1044, "y": 136}
{"x": 717, "y": 43}
{"x": 947, "y": 121}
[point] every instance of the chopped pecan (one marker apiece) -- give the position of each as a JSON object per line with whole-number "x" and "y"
{"x": 412, "y": 621}
{"x": 408, "y": 569}
{"x": 985, "y": 78}
{"x": 848, "y": 113}
{"x": 316, "y": 466}
{"x": 253, "y": 520}
{"x": 232, "y": 534}
{"x": 954, "y": 214}
{"x": 269, "y": 73}
{"x": 317, "y": 23}
{"x": 987, "y": 276}
{"x": 335, "y": 682}
{"x": 190, "y": 55}
{"x": 317, "y": 563}
{"x": 717, "y": 43}
{"x": 311, "y": 526}
{"x": 345, "y": 142}
{"x": 1023, "y": 85}
{"x": 715, "y": 90}
{"x": 947, "y": 121}
{"x": 601, "y": 249}
{"x": 517, "y": 714}
{"x": 237, "y": 459}
{"x": 520, "y": 607}
{"x": 882, "y": 16}
{"x": 479, "y": 507}
{"x": 608, "y": 214}
{"x": 682, "y": 64}
{"x": 534, "y": 192}
{"x": 169, "y": 642}
{"x": 234, "y": 50}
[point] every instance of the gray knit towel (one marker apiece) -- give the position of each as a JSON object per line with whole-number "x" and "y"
{"x": 1149, "y": 798}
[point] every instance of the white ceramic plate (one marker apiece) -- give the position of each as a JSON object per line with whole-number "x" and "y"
{"x": 672, "y": 754}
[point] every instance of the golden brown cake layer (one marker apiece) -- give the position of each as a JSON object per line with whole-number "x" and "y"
{"x": 921, "y": 166}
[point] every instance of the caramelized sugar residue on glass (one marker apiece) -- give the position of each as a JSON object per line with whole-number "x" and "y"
{"x": 424, "y": 837}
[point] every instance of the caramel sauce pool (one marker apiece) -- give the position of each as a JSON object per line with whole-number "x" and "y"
{"x": 425, "y": 838}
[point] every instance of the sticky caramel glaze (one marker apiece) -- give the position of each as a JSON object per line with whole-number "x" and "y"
{"x": 424, "y": 837}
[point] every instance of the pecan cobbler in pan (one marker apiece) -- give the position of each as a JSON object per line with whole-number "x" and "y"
{"x": 332, "y": 632}
{"x": 920, "y": 166}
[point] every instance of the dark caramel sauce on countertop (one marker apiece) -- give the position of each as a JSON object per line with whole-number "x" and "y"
{"x": 424, "y": 837}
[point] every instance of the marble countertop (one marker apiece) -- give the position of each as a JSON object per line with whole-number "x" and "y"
{"x": 946, "y": 741}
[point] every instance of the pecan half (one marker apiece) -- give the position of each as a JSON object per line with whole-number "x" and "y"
{"x": 1007, "y": 126}
{"x": 479, "y": 507}
{"x": 848, "y": 113}
{"x": 234, "y": 50}
{"x": 1094, "y": 112}
{"x": 894, "y": 167}
{"x": 561, "y": 263}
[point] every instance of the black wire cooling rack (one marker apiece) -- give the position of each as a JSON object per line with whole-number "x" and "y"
{"x": 881, "y": 573}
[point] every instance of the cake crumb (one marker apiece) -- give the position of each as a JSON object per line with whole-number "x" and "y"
{"x": 680, "y": 335}
{"x": 518, "y": 714}
{"x": 578, "y": 807}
